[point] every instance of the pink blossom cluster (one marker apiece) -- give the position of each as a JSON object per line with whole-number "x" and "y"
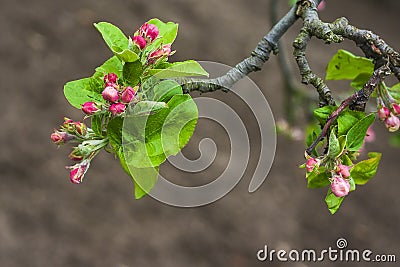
{"x": 117, "y": 97}
{"x": 340, "y": 185}
{"x": 73, "y": 131}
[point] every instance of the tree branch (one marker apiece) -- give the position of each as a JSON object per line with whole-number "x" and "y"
{"x": 255, "y": 62}
{"x": 356, "y": 101}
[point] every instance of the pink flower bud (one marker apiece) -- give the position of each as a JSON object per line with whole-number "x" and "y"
{"x": 90, "y": 108}
{"x": 78, "y": 171}
{"x": 392, "y": 123}
{"x": 344, "y": 171}
{"x": 396, "y": 108}
{"x": 80, "y": 128}
{"x": 110, "y": 78}
{"x": 139, "y": 41}
{"x": 340, "y": 187}
{"x": 311, "y": 163}
{"x": 128, "y": 94}
{"x": 117, "y": 108}
{"x": 383, "y": 113}
{"x": 110, "y": 94}
{"x": 149, "y": 31}
{"x": 164, "y": 51}
{"x": 60, "y": 138}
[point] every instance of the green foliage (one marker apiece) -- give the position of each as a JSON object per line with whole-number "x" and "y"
{"x": 346, "y": 66}
{"x": 132, "y": 72}
{"x": 168, "y": 31}
{"x": 318, "y": 178}
{"x": 84, "y": 90}
{"x": 322, "y": 114}
{"x": 333, "y": 202}
{"x": 113, "y": 36}
{"x": 363, "y": 171}
{"x": 357, "y": 133}
{"x": 179, "y": 69}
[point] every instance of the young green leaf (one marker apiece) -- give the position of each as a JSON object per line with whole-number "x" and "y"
{"x": 114, "y": 133}
{"x": 361, "y": 79}
{"x": 168, "y": 31}
{"x": 363, "y": 171}
{"x": 132, "y": 72}
{"x": 96, "y": 123}
{"x": 180, "y": 69}
{"x": 150, "y": 139}
{"x": 125, "y": 55}
{"x": 84, "y": 90}
{"x": 148, "y": 107}
{"x": 317, "y": 178}
{"x": 162, "y": 90}
{"x": 112, "y": 65}
{"x": 322, "y": 114}
{"x": 395, "y": 91}
{"x": 334, "y": 149}
{"x": 112, "y": 35}
{"x": 356, "y": 135}
{"x": 333, "y": 202}
{"x": 346, "y": 66}
{"x": 348, "y": 119}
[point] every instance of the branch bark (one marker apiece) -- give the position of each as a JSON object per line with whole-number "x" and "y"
{"x": 260, "y": 55}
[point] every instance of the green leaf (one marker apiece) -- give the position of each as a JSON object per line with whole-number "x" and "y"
{"x": 346, "y": 160}
{"x": 96, "y": 124}
{"x": 84, "y": 90}
{"x": 395, "y": 91}
{"x": 346, "y": 66}
{"x": 317, "y": 178}
{"x": 168, "y": 31}
{"x": 132, "y": 72}
{"x": 352, "y": 184}
{"x": 363, "y": 171}
{"x": 292, "y": 2}
{"x": 333, "y": 202}
{"x": 312, "y": 133}
{"x": 356, "y": 135}
{"x": 180, "y": 69}
{"x": 334, "y": 146}
{"x": 162, "y": 91}
{"x": 112, "y": 35}
{"x": 150, "y": 139}
{"x": 148, "y": 107}
{"x": 112, "y": 65}
{"x": 144, "y": 179}
{"x": 322, "y": 114}
{"x": 347, "y": 119}
{"x": 125, "y": 55}
{"x": 114, "y": 133}
{"x": 360, "y": 80}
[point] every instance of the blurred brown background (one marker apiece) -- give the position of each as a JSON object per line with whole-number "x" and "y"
{"x": 47, "y": 221}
